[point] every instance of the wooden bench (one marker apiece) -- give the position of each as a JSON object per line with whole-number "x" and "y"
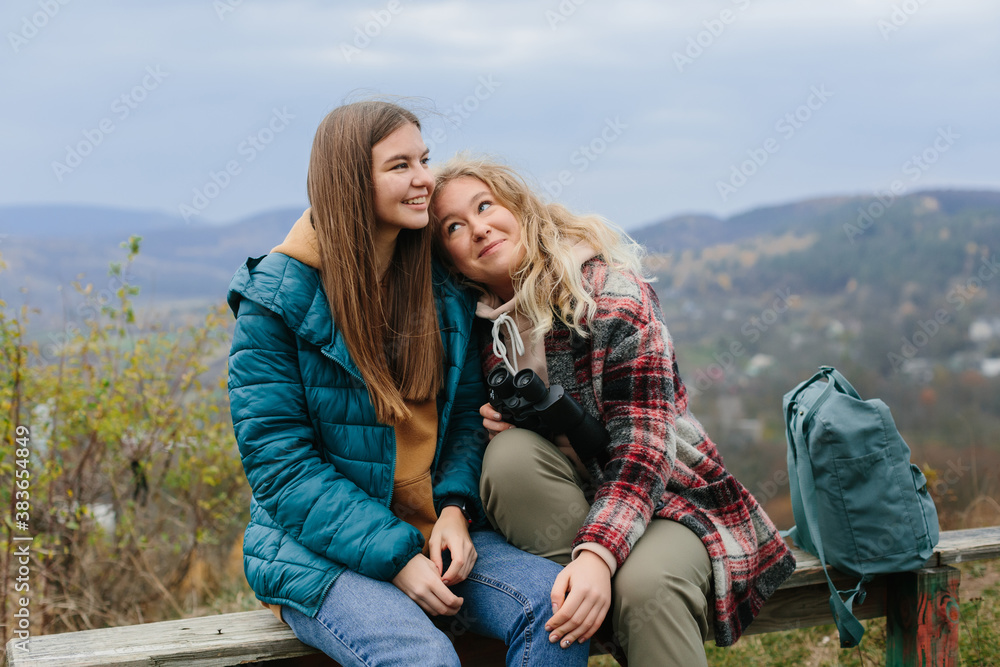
{"x": 921, "y": 609}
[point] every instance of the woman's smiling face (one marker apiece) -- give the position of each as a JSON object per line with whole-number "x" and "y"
{"x": 481, "y": 236}
{"x": 403, "y": 183}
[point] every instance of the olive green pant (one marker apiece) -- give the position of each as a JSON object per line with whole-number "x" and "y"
{"x": 660, "y": 608}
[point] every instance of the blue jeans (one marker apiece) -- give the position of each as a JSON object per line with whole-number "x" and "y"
{"x": 367, "y": 622}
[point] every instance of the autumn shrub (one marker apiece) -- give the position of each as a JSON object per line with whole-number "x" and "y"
{"x": 120, "y": 451}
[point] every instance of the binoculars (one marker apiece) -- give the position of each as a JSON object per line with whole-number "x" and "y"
{"x": 525, "y": 401}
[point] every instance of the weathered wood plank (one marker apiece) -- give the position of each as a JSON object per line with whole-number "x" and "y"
{"x": 955, "y": 546}
{"x": 961, "y": 546}
{"x": 315, "y": 660}
{"x": 807, "y": 606}
{"x": 209, "y": 641}
{"x": 257, "y": 637}
{"x": 252, "y": 637}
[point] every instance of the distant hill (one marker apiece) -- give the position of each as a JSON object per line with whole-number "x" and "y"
{"x": 917, "y": 248}
{"x": 699, "y": 231}
{"x": 817, "y": 246}
{"x": 62, "y": 221}
{"x": 47, "y": 248}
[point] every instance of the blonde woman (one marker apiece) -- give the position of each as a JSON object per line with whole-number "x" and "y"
{"x": 651, "y": 527}
{"x": 354, "y": 390}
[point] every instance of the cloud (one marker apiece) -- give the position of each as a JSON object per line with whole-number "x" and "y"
{"x": 563, "y": 68}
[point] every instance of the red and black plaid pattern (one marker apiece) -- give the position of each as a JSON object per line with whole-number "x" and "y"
{"x": 662, "y": 462}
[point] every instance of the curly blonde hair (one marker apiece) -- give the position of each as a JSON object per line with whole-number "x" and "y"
{"x": 548, "y": 282}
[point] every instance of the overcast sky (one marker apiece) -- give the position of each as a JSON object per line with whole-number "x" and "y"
{"x": 643, "y": 109}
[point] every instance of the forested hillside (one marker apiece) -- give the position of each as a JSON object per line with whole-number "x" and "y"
{"x": 902, "y": 295}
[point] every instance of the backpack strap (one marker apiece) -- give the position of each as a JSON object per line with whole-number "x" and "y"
{"x": 851, "y": 630}
{"x": 840, "y": 381}
{"x": 834, "y": 380}
{"x": 792, "y": 425}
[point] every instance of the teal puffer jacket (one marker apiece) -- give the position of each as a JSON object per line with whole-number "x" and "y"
{"x": 320, "y": 465}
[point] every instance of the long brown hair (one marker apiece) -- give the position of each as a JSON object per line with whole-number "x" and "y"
{"x": 390, "y": 329}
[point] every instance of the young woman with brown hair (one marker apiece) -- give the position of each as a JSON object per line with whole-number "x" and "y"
{"x": 354, "y": 385}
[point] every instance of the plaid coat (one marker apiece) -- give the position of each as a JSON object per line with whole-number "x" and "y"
{"x": 662, "y": 462}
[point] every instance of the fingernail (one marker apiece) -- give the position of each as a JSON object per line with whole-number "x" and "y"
{"x": 553, "y": 638}
{"x": 496, "y": 415}
{"x": 548, "y": 628}
{"x": 565, "y": 644}
{"x": 555, "y": 607}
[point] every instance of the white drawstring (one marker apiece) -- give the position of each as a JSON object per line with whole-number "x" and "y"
{"x": 499, "y": 349}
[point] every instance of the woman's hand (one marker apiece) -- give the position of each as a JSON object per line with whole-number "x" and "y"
{"x": 491, "y": 420}
{"x": 581, "y": 597}
{"x": 420, "y": 579}
{"x": 451, "y": 534}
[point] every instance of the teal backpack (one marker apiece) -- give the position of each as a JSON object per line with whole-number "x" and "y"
{"x": 859, "y": 504}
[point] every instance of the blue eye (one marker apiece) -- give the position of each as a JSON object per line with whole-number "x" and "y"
{"x": 451, "y": 228}
{"x": 483, "y": 205}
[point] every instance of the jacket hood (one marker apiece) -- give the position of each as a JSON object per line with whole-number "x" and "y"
{"x": 288, "y": 288}
{"x": 287, "y": 282}
{"x": 294, "y": 291}
{"x": 301, "y": 243}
